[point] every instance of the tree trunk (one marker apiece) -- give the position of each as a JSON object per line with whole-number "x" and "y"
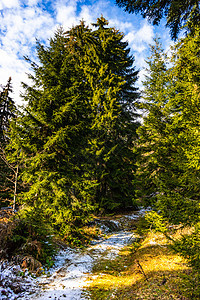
{"x": 15, "y": 189}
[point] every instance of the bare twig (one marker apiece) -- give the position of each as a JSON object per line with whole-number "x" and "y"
{"x": 3, "y": 157}
{"x": 139, "y": 265}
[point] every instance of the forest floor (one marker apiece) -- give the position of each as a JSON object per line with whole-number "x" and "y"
{"x": 116, "y": 266}
{"x": 73, "y": 269}
{"x": 151, "y": 271}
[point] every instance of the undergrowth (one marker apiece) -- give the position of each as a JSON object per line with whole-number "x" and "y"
{"x": 28, "y": 233}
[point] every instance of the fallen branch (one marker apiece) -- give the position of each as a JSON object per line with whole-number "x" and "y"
{"x": 139, "y": 265}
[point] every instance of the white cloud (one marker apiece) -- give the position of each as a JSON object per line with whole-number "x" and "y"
{"x": 123, "y": 26}
{"x": 145, "y": 34}
{"x": 141, "y": 38}
{"x": 12, "y": 67}
{"x": 86, "y": 15}
{"x": 32, "y": 2}
{"x": 130, "y": 37}
{"x": 20, "y": 26}
{"x": 66, "y": 16}
{"x": 8, "y": 3}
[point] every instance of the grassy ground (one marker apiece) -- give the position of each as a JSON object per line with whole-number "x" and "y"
{"x": 151, "y": 271}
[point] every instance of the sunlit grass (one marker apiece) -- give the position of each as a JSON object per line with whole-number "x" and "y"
{"x": 152, "y": 271}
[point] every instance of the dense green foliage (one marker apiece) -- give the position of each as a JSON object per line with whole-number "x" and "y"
{"x": 169, "y": 141}
{"x": 177, "y": 12}
{"x": 152, "y": 144}
{"x": 7, "y": 113}
{"x": 77, "y": 131}
{"x": 79, "y": 147}
{"x": 114, "y": 120}
{"x": 169, "y": 136}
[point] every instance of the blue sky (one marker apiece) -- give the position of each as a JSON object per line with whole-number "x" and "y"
{"x": 22, "y": 21}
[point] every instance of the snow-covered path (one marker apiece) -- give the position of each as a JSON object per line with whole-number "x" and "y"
{"x": 73, "y": 267}
{"x": 68, "y": 281}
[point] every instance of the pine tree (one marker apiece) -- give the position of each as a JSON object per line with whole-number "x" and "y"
{"x": 77, "y": 131}
{"x": 185, "y": 198}
{"x": 114, "y": 118}
{"x": 153, "y": 148}
{"x": 8, "y": 112}
{"x": 51, "y": 132}
{"x": 165, "y": 137}
{"x": 175, "y": 144}
{"x": 184, "y": 128}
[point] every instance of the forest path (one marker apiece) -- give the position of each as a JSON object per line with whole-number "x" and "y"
{"x": 68, "y": 277}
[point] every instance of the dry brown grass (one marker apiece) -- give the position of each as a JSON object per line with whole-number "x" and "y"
{"x": 5, "y": 215}
{"x": 152, "y": 272}
{"x": 6, "y": 229}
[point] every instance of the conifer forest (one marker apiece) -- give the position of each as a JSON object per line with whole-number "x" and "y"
{"x": 89, "y": 143}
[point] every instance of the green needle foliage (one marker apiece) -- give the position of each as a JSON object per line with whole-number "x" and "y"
{"x": 176, "y": 12}
{"x": 153, "y": 147}
{"x": 114, "y": 120}
{"x": 77, "y": 131}
{"x": 8, "y": 112}
{"x": 169, "y": 140}
{"x": 169, "y": 137}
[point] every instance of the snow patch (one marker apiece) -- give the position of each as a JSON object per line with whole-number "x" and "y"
{"x": 69, "y": 275}
{"x": 14, "y": 282}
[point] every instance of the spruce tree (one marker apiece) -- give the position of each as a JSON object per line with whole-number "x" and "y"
{"x": 51, "y": 132}
{"x": 165, "y": 136}
{"x": 153, "y": 147}
{"x": 184, "y": 201}
{"x": 114, "y": 118}
{"x": 174, "y": 137}
{"x": 77, "y": 131}
{"x": 184, "y": 128}
{"x": 8, "y": 112}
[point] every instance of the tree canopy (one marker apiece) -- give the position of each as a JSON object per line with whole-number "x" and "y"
{"x": 177, "y": 12}
{"x": 169, "y": 140}
{"x": 8, "y": 111}
{"x": 78, "y": 144}
{"x": 77, "y": 131}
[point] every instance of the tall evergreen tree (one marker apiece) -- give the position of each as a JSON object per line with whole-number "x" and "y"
{"x": 78, "y": 128}
{"x": 52, "y": 131}
{"x": 8, "y": 111}
{"x": 152, "y": 144}
{"x": 176, "y": 155}
{"x": 184, "y": 128}
{"x": 114, "y": 118}
{"x": 166, "y": 135}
